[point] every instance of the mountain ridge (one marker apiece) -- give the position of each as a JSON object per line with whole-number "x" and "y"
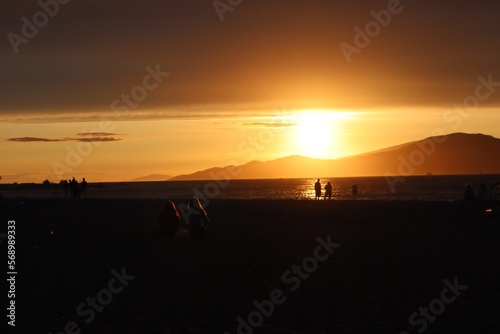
{"x": 456, "y": 153}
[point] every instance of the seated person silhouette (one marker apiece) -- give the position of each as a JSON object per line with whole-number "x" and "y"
{"x": 169, "y": 219}
{"x": 197, "y": 218}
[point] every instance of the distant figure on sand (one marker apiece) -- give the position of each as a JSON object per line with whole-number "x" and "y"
{"x": 469, "y": 193}
{"x": 66, "y": 185}
{"x": 73, "y": 185}
{"x": 84, "y": 187}
{"x": 317, "y": 188}
{"x": 169, "y": 219}
{"x": 197, "y": 218}
{"x": 328, "y": 190}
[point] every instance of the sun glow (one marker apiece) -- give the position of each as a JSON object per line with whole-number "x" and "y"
{"x": 317, "y": 133}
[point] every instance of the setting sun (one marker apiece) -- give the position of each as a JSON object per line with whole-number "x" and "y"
{"x": 316, "y": 133}
{"x": 314, "y": 137}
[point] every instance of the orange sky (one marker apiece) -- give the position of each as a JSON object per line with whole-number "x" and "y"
{"x": 164, "y": 87}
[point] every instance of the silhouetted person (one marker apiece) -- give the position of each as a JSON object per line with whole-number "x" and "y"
{"x": 65, "y": 184}
{"x": 483, "y": 193}
{"x": 469, "y": 193}
{"x": 84, "y": 187}
{"x": 72, "y": 187}
{"x": 169, "y": 219}
{"x": 317, "y": 188}
{"x": 328, "y": 190}
{"x": 197, "y": 218}
{"x": 76, "y": 189}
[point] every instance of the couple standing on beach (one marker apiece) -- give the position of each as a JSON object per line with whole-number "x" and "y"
{"x": 328, "y": 190}
{"x": 169, "y": 219}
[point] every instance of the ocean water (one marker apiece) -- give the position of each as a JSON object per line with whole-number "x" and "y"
{"x": 428, "y": 188}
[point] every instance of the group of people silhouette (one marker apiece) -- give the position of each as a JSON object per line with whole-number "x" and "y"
{"x": 328, "y": 190}
{"x": 170, "y": 220}
{"x": 75, "y": 189}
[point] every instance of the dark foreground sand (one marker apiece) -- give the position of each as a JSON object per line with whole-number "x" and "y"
{"x": 392, "y": 260}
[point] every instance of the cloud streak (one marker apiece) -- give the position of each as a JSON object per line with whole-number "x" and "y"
{"x": 277, "y": 125}
{"x": 33, "y": 139}
{"x": 97, "y": 134}
{"x": 82, "y": 137}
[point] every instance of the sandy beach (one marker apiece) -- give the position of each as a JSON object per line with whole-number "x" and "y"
{"x": 268, "y": 267}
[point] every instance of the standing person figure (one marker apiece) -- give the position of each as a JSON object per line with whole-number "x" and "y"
{"x": 197, "y": 218}
{"x": 73, "y": 185}
{"x": 66, "y": 185}
{"x": 328, "y": 190}
{"x": 317, "y": 189}
{"x": 84, "y": 187}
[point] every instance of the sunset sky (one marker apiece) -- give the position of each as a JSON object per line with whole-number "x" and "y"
{"x": 112, "y": 90}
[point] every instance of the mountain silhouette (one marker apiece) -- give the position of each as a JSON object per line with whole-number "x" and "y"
{"x": 457, "y": 153}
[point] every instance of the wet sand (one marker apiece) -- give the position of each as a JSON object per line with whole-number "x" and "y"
{"x": 393, "y": 259}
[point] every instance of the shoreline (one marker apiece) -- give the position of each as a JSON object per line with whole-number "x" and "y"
{"x": 436, "y": 188}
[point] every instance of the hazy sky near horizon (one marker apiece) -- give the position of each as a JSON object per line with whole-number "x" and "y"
{"x": 168, "y": 87}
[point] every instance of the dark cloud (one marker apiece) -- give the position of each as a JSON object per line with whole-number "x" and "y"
{"x": 33, "y": 139}
{"x": 91, "y": 137}
{"x": 96, "y": 139}
{"x": 266, "y": 51}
